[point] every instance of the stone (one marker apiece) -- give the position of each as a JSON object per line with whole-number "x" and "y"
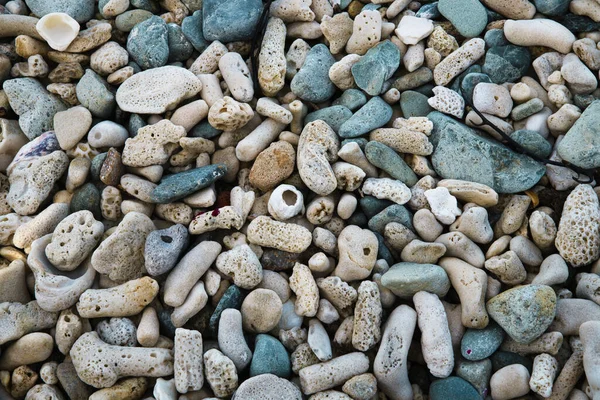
{"x": 182, "y": 184}
{"x": 333, "y": 116}
{"x": 153, "y": 144}
{"x": 479, "y": 159}
{"x": 579, "y": 144}
{"x": 492, "y": 99}
{"x": 70, "y": 126}
{"x": 126, "y": 21}
{"x": 389, "y": 161}
{"x": 506, "y": 63}
{"x": 272, "y": 61}
{"x": 192, "y": 29}
{"x": 180, "y": 49}
{"x": 469, "y": 18}
{"x": 479, "y": 344}
{"x": 366, "y": 32}
{"x": 232, "y": 298}
{"x": 34, "y": 105}
{"x": 267, "y": 387}
{"x": 372, "y": 115}
{"x": 220, "y": 373}
{"x": 148, "y": 43}
{"x": 351, "y": 98}
{"x": 230, "y": 21}
{"x": 94, "y": 94}
{"x": 524, "y": 312}
{"x": 532, "y": 142}
{"x": 414, "y": 104}
{"x": 270, "y": 357}
{"x": 163, "y": 248}
{"x": 376, "y": 67}
{"x": 117, "y": 331}
{"x": 231, "y": 338}
{"x": 458, "y": 61}
{"x": 312, "y": 82}
{"x": 539, "y": 32}
{"x": 81, "y": 11}
{"x": 447, "y": 101}
{"x": 406, "y": 279}
{"x": 552, "y": 7}
{"x": 452, "y": 387}
{"x": 146, "y": 93}
{"x": 411, "y": 30}
{"x": 88, "y": 198}
{"x": 337, "y": 30}
{"x": 357, "y": 249}
{"x": 109, "y": 58}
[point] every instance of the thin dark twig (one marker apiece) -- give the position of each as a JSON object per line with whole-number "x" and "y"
{"x": 256, "y": 43}
{"x": 588, "y": 174}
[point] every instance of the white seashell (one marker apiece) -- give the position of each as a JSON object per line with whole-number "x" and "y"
{"x": 58, "y": 29}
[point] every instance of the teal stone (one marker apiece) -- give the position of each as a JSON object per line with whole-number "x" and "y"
{"x": 362, "y": 142}
{"x": 135, "y": 66}
{"x": 506, "y": 63}
{"x": 375, "y": 114}
{"x": 527, "y": 109}
{"x": 375, "y": 67}
{"x": 477, "y": 344}
{"x": 493, "y": 15}
{"x": 352, "y": 99}
{"x": 495, "y": 37}
{"x": 460, "y": 153}
{"x": 96, "y": 166}
{"x": 382, "y": 250}
{"x": 192, "y": 29}
{"x": 426, "y": 89}
{"x": 429, "y": 11}
{"x": 414, "y": 104}
{"x": 468, "y": 83}
{"x": 81, "y": 10}
{"x": 148, "y": 5}
{"x": 533, "y": 142}
{"x": 182, "y": 184}
{"x": 204, "y": 130}
{"x": 552, "y": 8}
{"x": 414, "y": 79}
{"x": 312, "y": 82}
{"x": 579, "y": 23}
{"x": 34, "y": 105}
{"x": 193, "y": 5}
{"x": 230, "y": 20}
{"x": 334, "y": 116}
{"x": 477, "y": 373}
{"x": 135, "y": 123}
{"x": 388, "y": 160}
{"x": 473, "y": 69}
{"x": 148, "y": 43}
{"x": 524, "y": 312}
{"x": 372, "y": 206}
{"x": 270, "y": 357}
{"x": 406, "y": 278}
{"x": 358, "y": 219}
{"x": 180, "y": 49}
{"x": 371, "y": 6}
{"x": 232, "y": 298}
{"x": 94, "y": 93}
{"x": 453, "y": 388}
{"x": 344, "y": 4}
{"x": 86, "y": 197}
{"x": 126, "y": 21}
{"x": 583, "y": 101}
{"x": 393, "y": 213}
{"x": 581, "y": 144}
{"x": 501, "y": 359}
{"x": 468, "y": 16}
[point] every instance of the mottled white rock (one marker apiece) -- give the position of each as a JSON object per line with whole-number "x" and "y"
{"x": 411, "y": 30}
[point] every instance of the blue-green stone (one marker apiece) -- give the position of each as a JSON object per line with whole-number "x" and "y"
{"x": 86, "y": 197}
{"x": 533, "y": 142}
{"x": 334, "y": 116}
{"x": 270, "y": 357}
{"x": 230, "y": 20}
{"x": 372, "y": 206}
{"x": 406, "y": 278}
{"x": 553, "y": 8}
{"x": 232, "y": 298}
{"x": 414, "y": 104}
{"x": 393, "y": 213}
{"x": 204, "y": 130}
{"x": 468, "y": 83}
{"x": 506, "y": 63}
{"x": 94, "y": 94}
{"x": 182, "y": 184}
{"x": 453, "y": 388}
{"x": 468, "y": 16}
{"x": 388, "y": 160}
{"x": 581, "y": 144}
{"x": 81, "y": 10}
{"x": 375, "y": 67}
{"x": 495, "y": 37}
{"x": 126, "y": 21}
{"x": 372, "y": 115}
{"x": 352, "y": 99}
{"x": 312, "y": 82}
{"x": 501, "y": 359}
{"x": 477, "y": 344}
{"x": 192, "y": 29}
{"x": 180, "y": 48}
{"x": 148, "y": 43}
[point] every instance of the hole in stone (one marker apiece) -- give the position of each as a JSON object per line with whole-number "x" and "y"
{"x": 289, "y": 197}
{"x": 166, "y": 239}
{"x": 366, "y": 251}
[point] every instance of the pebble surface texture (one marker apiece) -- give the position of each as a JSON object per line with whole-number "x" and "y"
{"x": 220, "y": 199}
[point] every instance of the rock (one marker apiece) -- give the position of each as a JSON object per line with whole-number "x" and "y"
{"x": 524, "y": 312}
{"x": 372, "y": 115}
{"x": 232, "y": 298}
{"x": 117, "y": 331}
{"x": 376, "y": 67}
{"x": 192, "y": 29}
{"x": 34, "y": 105}
{"x": 180, "y": 48}
{"x": 533, "y": 142}
{"x": 333, "y": 116}
{"x": 492, "y": 99}
{"x": 351, "y": 98}
{"x": 230, "y": 21}
{"x": 241, "y": 264}
{"x": 580, "y": 144}
{"x": 447, "y": 101}
{"x": 453, "y": 388}
{"x": 163, "y": 248}
{"x": 126, "y": 21}
{"x": 411, "y": 30}
{"x": 86, "y": 197}
{"x": 391, "y": 162}
{"x": 267, "y": 387}
{"x": 405, "y": 279}
{"x": 554, "y": 8}
{"x": 270, "y": 357}
{"x": 357, "y": 250}
{"x": 478, "y": 344}
{"x": 81, "y": 11}
{"x": 312, "y": 82}
{"x": 414, "y": 104}
{"x": 458, "y": 61}
{"x": 71, "y": 125}
{"x": 220, "y": 373}
{"x": 148, "y": 43}
{"x": 462, "y": 154}
{"x": 153, "y": 144}
{"x": 506, "y": 63}
{"x": 182, "y": 184}
{"x": 94, "y": 94}
{"x": 469, "y": 18}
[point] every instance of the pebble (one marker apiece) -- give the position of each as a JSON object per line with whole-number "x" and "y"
{"x": 312, "y": 82}
{"x": 150, "y": 31}
{"x": 479, "y": 344}
{"x": 374, "y": 114}
{"x": 469, "y": 18}
{"x": 163, "y": 247}
{"x": 217, "y": 18}
{"x": 270, "y": 357}
{"x": 406, "y": 279}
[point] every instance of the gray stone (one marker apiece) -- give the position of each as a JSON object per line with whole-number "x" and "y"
{"x": 581, "y": 144}
{"x": 148, "y": 43}
{"x": 351, "y": 98}
{"x": 180, "y": 48}
{"x": 533, "y": 142}
{"x": 405, "y": 279}
{"x": 372, "y": 115}
{"x": 334, "y": 116}
{"x": 312, "y": 82}
{"x": 81, "y": 10}
{"x": 387, "y": 159}
{"x": 375, "y": 67}
{"x": 117, "y": 331}
{"x": 94, "y": 94}
{"x": 163, "y": 248}
{"x": 231, "y": 20}
{"x": 192, "y": 29}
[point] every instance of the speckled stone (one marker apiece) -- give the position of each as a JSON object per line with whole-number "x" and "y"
{"x": 453, "y": 388}
{"x": 94, "y": 94}
{"x": 414, "y": 104}
{"x": 192, "y": 29}
{"x": 506, "y": 63}
{"x": 312, "y": 82}
{"x": 459, "y": 153}
{"x": 204, "y": 130}
{"x": 148, "y": 43}
{"x": 182, "y": 184}
{"x": 495, "y": 37}
{"x": 270, "y": 357}
{"x": 477, "y": 344}
{"x": 163, "y": 248}
{"x": 112, "y": 168}
{"x": 533, "y": 142}
{"x": 230, "y": 21}
{"x": 467, "y": 16}
{"x": 553, "y": 8}
{"x": 351, "y": 98}
{"x": 126, "y": 21}
{"x": 477, "y": 373}
{"x": 180, "y": 48}
{"x": 501, "y": 359}
{"x": 393, "y": 213}
{"x": 581, "y": 144}
{"x": 387, "y": 159}
{"x": 80, "y": 10}
{"x": 524, "y": 312}
{"x": 375, "y": 67}
{"x": 334, "y": 116}
{"x": 232, "y": 298}
{"x": 468, "y": 83}
{"x": 86, "y": 197}
{"x": 405, "y": 279}
{"x": 372, "y": 115}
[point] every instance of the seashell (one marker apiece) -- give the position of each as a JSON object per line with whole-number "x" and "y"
{"x": 58, "y": 29}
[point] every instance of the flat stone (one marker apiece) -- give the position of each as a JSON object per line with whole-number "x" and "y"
{"x": 81, "y": 10}
{"x": 453, "y": 388}
{"x": 375, "y": 67}
{"x": 267, "y": 387}
{"x": 393, "y": 213}
{"x": 351, "y": 98}
{"x": 506, "y": 63}
{"x": 148, "y": 43}
{"x": 467, "y": 16}
{"x": 270, "y": 357}
{"x": 495, "y": 37}
{"x": 372, "y": 115}
{"x": 533, "y": 142}
{"x": 524, "y": 312}
{"x": 387, "y": 159}
{"x": 460, "y": 153}
{"x": 312, "y": 82}
{"x": 182, "y": 184}
{"x": 414, "y": 104}
{"x": 581, "y": 144}
{"x": 406, "y": 278}
{"x": 192, "y": 29}
{"x": 126, "y": 21}
{"x": 477, "y": 344}
{"x": 230, "y": 21}
{"x": 163, "y": 247}
{"x": 334, "y": 116}
{"x": 554, "y": 8}
{"x": 94, "y": 94}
